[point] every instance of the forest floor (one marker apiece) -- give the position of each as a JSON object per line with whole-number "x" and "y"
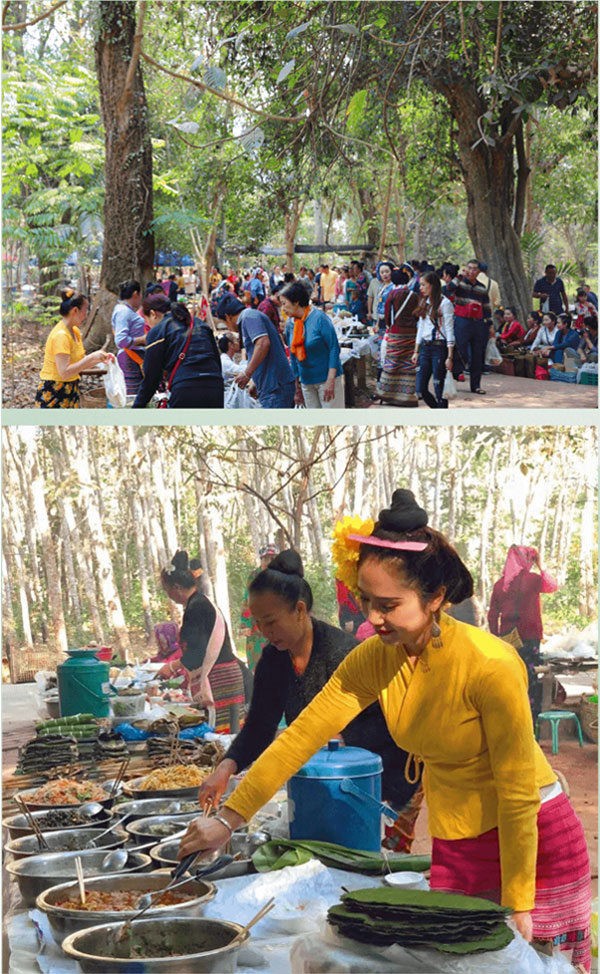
{"x": 23, "y": 354}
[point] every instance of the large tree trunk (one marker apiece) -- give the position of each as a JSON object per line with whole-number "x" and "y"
{"x": 47, "y": 543}
{"x": 488, "y": 176}
{"x": 128, "y": 210}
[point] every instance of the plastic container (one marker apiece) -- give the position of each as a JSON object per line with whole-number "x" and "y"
{"x": 129, "y": 706}
{"x": 83, "y": 684}
{"x": 320, "y": 809}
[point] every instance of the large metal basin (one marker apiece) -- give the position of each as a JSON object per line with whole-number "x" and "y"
{"x": 64, "y": 921}
{"x": 142, "y": 808}
{"x": 18, "y": 825}
{"x": 65, "y": 840}
{"x": 37, "y": 873}
{"x": 205, "y": 947}
{"x": 132, "y": 788}
{"x": 140, "y": 828}
{"x": 165, "y": 854}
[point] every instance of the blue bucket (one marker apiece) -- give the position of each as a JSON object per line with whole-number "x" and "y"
{"x": 336, "y": 797}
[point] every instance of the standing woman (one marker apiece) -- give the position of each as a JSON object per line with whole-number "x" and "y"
{"x": 398, "y": 380}
{"x": 64, "y": 356}
{"x": 515, "y": 611}
{"x": 213, "y": 673}
{"x": 183, "y": 350}
{"x": 130, "y": 335}
{"x": 153, "y": 308}
{"x": 434, "y": 347}
{"x": 455, "y": 698}
{"x": 314, "y": 350}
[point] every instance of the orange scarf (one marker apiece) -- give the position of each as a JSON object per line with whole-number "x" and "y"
{"x": 297, "y": 347}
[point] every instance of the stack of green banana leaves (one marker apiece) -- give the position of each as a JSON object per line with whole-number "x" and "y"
{"x": 44, "y": 753}
{"x": 293, "y": 852}
{"x": 445, "y": 921}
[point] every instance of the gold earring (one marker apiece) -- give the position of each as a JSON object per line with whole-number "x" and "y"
{"x": 436, "y": 633}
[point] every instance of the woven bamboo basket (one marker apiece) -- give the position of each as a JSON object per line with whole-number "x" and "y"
{"x": 25, "y": 663}
{"x": 93, "y": 398}
{"x": 588, "y": 714}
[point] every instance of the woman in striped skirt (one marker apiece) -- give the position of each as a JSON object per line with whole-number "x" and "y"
{"x": 397, "y": 384}
{"x": 214, "y": 675}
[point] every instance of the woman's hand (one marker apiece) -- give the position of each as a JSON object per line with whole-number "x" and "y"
{"x": 524, "y": 925}
{"x": 213, "y": 787}
{"x": 449, "y": 364}
{"x": 329, "y": 390}
{"x": 203, "y": 834}
{"x": 205, "y": 698}
{"x": 96, "y": 358}
{"x": 414, "y": 358}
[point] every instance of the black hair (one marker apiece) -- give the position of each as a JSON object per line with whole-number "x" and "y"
{"x": 473, "y": 260}
{"x": 181, "y": 314}
{"x": 549, "y": 267}
{"x": 288, "y": 277}
{"x": 224, "y": 342}
{"x": 229, "y": 305}
{"x": 439, "y": 566}
{"x": 179, "y": 572}
{"x": 451, "y": 269}
{"x": 296, "y": 293}
{"x": 156, "y": 289}
{"x": 400, "y": 276}
{"x": 537, "y": 317}
{"x": 591, "y": 322}
{"x": 511, "y": 307}
{"x": 128, "y": 288}
{"x": 581, "y": 290}
{"x": 69, "y": 300}
{"x": 549, "y": 314}
{"x": 285, "y": 578}
{"x": 565, "y": 317}
{"x": 356, "y": 263}
{"x": 156, "y": 302}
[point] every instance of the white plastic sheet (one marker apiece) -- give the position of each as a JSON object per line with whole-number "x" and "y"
{"x": 114, "y": 384}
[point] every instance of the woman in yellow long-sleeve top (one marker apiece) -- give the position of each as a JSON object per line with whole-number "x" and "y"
{"x": 456, "y": 699}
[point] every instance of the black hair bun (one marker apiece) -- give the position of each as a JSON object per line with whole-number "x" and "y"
{"x": 288, "y": 562}
{"x": 181, "y": 561}
{"x": 403, "y": 514}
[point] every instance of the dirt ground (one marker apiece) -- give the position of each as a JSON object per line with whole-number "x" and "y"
{"x": 23, "y": 352}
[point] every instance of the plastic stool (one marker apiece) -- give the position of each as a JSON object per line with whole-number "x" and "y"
{"x": 555, "y": 717}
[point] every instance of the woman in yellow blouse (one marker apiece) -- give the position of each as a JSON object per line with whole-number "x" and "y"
{"x": 455, "y": 698}
{"x": 64, "y": 356}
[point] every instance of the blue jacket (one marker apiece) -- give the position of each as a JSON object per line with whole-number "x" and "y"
{"x": 565, "y": 339}
{"x": 322, "y": 349}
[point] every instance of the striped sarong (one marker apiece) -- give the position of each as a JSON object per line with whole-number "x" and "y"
{"x": 227, "y": 685}
{"x": 398, "y": 380}
{"x": 563, "y": 893}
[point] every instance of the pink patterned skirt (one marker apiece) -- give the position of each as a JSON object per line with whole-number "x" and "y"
{"x": 563, "y": 894}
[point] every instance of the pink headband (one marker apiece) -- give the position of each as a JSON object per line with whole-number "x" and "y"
{"x": 380, "y": 543}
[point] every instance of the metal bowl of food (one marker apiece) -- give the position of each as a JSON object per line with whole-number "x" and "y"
{"x": 165, "y": 855}
{"x": 146, "y": 807}
{"x": 37, "y": 873}
{"x": 133, "y": 789}
{"x": 115, "y": 897}
{"x": 66, "y": 840}
{"x": 53, "y": 820}
{"x": 176, "y": 781}
{"x": 174, "y": 945}
{"x": 65, "y": 793}
{"x": 158, "y": 827}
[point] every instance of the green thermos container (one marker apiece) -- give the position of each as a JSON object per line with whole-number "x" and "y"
{"x": 83, "y": 684}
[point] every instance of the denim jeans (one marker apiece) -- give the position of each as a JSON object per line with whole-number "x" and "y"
{"x": 283, "y": 398}
{"x": 471, "y": 340}
{"x": 432, "y": 361}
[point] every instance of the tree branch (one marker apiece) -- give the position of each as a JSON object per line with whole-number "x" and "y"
{"x": 30, "y": 23}
{"x": 523, "y": 172}
{"x": 221, "y": 94}
{"x": 135, "y": 51}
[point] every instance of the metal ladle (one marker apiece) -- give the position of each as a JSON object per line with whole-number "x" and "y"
{"x": 91, "y": 843}
{"x": 90, "y": 810}
{"x": 116, "y": 859}
{"x": 148, "y": 898}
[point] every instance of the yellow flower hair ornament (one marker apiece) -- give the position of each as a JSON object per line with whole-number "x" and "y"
{"x": 345, "y": 551}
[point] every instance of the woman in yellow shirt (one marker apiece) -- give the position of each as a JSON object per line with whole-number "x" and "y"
{"x": 64, "y": 356}
{"x": 456, "y": 699}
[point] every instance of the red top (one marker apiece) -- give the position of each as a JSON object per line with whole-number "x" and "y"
{"x": 520, "y": 605}
{"x": 513, "y": 334}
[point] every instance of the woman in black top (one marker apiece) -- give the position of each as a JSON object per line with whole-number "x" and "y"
{"x": 198, "y": 379}
{"x": 301, "y": 655}
{"x": 214, "y": 675}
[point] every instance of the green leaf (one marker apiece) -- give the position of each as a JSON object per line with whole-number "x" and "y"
{"x": 295, "y": 31}
{"x": 31, "y": 169}
{"x": 76, "y": 135}
{"x": 356, "y": 109}
{"x": 347, "y": 29}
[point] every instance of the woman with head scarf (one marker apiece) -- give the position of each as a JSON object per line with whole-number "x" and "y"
{"x": 167, "y": 640}
{"x": 455, "y": 698}
{"x": 515, "y": 611}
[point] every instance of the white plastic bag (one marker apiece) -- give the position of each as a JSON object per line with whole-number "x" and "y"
{"x": 449, "y": 387}
{"x": 114, "y": 384}
{"x": 492, "y": 353}
{"x": 236, "y": 398}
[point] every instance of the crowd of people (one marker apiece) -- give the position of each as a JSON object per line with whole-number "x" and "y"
{"x": 274, "y": 344}
{"x": 403, "y": 676}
